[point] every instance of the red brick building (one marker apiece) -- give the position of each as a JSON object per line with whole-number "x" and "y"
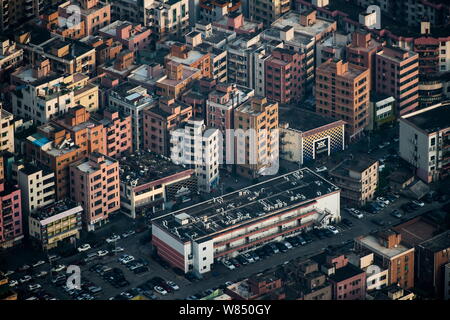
{"x": 285, "y": 76}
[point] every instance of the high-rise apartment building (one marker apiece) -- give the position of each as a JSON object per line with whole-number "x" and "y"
{"x": 342, "y": 92}
{"x": 132, "y": 99}
{"x": 197, "y": 146}
{"x": 285, "y": 76}
{"x": 37, "y": 185}
{"x": 94, "y": 182}
{"x": 160, "y": 120}
{"x": 425, "y": 141}
{"x": 6, "y": 130}
{"x": 362, "y": 52}
{"x": 397, "y": 75}
{"x": 268, "y": 11}
{"x": 256, "y": 133}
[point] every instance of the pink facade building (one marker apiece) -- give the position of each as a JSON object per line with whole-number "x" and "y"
{"x": 397, "y": 75}
{"x": 94, "y": 14}
{"x": 160, "y": 120}
{"x": 236, "y": 22}
{"x": 94, "y": 182}
{"x": 220, "y": 108}
{"x": 133, "y": 37}
{"x": 11, "y": 230}
{"x": 284, "y": 76}
{"x": 347, "y": 280}
{"x": 117, "y": 132}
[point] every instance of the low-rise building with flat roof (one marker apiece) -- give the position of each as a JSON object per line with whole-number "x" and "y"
{"x": 193, "y": 238}
{"x": 425, "y": 141}
{"x": 51, "y": 224}
{"x": 150, "y": 183}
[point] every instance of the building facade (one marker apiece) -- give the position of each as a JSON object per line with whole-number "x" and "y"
{"x": 193, "y": 238}
{"x": 54, "y": 223}
{"x": 94, "y": 182}
{"x": 425, "y": 141}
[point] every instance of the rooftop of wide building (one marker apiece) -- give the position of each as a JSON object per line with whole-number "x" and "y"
{"x": 431, "y": 119}
{"x": 145, "y": 166}
{"x": 246, "y": 205}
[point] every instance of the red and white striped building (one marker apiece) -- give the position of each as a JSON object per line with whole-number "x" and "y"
{"x": 193, "y": 238}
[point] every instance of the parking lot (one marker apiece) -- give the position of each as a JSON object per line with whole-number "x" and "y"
{"x": 96, "y": 278}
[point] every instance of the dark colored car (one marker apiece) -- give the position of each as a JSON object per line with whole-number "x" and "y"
{"x": 347, "y": 222}
{"x": 307, "y": 238}
{"x": 235, "y": 263}
{"x": 379, "y": 222}
{"x": 301, "y": 240}
{"x": 281, "y": 247}
{"x": 242, "y": 260}
{"x": 293, "y": 241}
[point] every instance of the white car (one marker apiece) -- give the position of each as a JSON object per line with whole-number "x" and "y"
{"x": 128, "y": 233}
{"x": 248, "y": 257}
{"x": 38, "y": 263}
{"x": 102, "y": 253}
{"x": 321, "y": 169}
{"x": 229, "y": 283}
{"x": 13, "y": 283}
{"x": 355, "y": 213}
{"x": 84, "y": 247}
{"x": 41, "y": 274}
{"x": 418, "y": 203}
{"x": 24, "y": 279}
{"x": 33, "y": 287}
{"x": 383, "y": 200}
{"x": 228, "y": 264}
{"x": 173, "y": 285}
{"x": 287, "y": 244}
{"x": 160, "y": 290}
{"x": 113, "y": 238}
{"x": 333, "y": 229}
{"x": 126, "y": 259}
{"x": 58, "y": 268}
{"x": 8, "y": 273}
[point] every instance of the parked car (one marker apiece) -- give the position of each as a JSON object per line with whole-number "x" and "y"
{"x": 347, "y": 222}
{"x": 38, "y": 263}
{"x": 293, "y": 241}
{"x": 9, "y": 273}
{"x": 281, "y": 246}
{"x": 321, "y": 169}
{"x": 242, "y": 260}
{"x": 24, "y": 267}
{"x": 117, "y": 249}
{"x": 355, "y": 213}
{"x": 113, "y": 238}
{"x": 383, "y": 200}
{"x": 235, "y": 263}
{"x": 84, "y": 247}
{"x": 13, "y": 283}
{"x": 102, "y": 253}
{"x": 379, "y": 222}
{"x": 248, "y": 257}
{"x": 128, "y": 233}
{"x": 396, "y": 214}
{"x": 287, "y": 244}
{"x": 58, "y": 268}
{"x": 173, "y": 285}
{"x": 418, "y": 203}
{"x": 25, "y": 279}
{"x": 307, "y": 238}
{"x": 274, "y": 247}
{"x": 254, "y": 255}
{"x": 301, "y": 240}
{"x": 41, "y": 274}
{"x": 333, "y": 229}
{"x": 160, "y": 290}
{"x": 228, "y": 264}
{"x": 33, "y": 287}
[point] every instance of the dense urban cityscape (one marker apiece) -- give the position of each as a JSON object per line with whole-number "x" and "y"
{"x": 230, "y": 150}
